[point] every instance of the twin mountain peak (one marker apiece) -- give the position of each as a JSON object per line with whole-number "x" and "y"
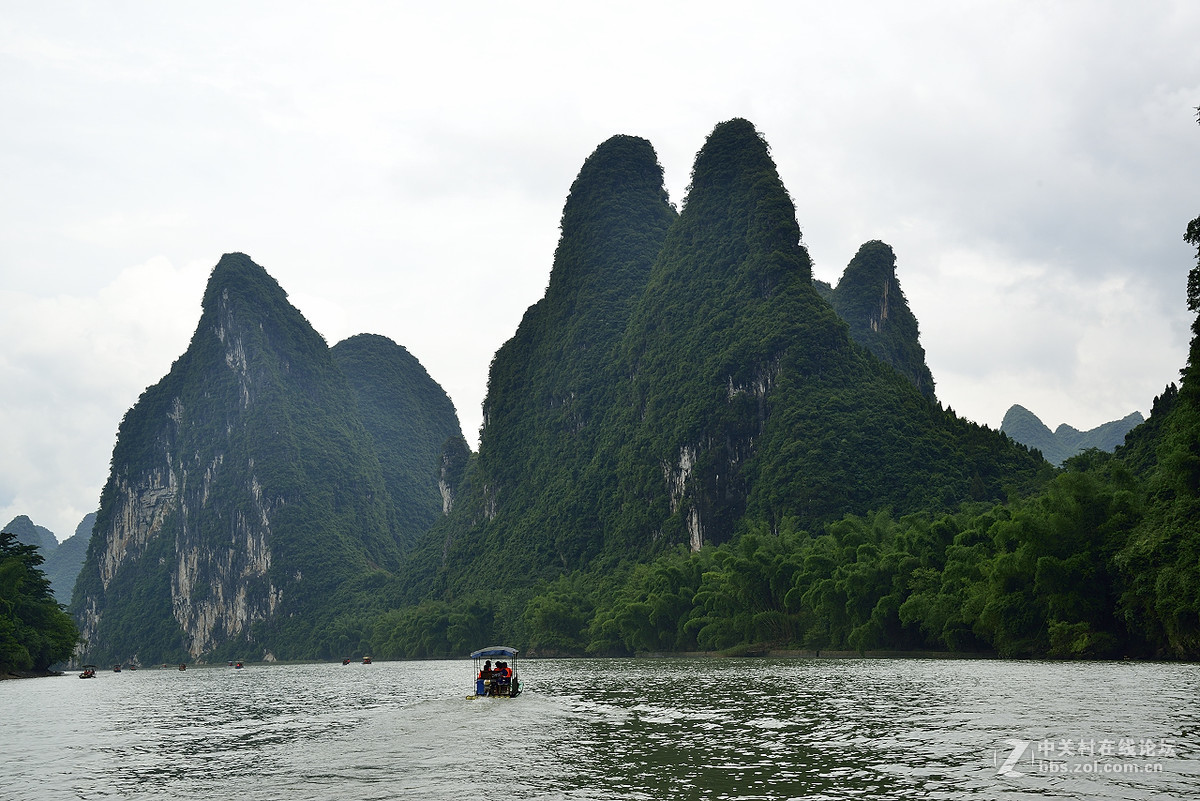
{"x": 683, "y": 378}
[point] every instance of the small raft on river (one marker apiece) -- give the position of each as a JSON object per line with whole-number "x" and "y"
{"x": 495, "y": 679}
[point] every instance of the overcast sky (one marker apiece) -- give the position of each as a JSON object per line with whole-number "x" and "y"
{"x": 400, "y": 169}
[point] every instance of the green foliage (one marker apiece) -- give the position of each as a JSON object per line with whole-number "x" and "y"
{"x": 527, "y": 508}
{"x": 35, "y": 631}
{"x": 682, "y": 383}
{"x": 409, "y": 417}
{"x": 685, "y": 448}
{"x": 743, "y": 416}
{"x": 1032, "y": 579}
{"x": 868, "y": 297}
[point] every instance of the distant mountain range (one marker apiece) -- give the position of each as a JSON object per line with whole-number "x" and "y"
{"x": 62, "y": 560}
{"x": 1065, "y": 441}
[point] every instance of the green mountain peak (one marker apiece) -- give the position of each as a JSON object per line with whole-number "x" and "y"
{"x": 245, "y": 491}
{"x": 868, "y": 297}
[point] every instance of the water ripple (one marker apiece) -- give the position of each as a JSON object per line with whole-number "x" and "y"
{"x": 623, "y": 729}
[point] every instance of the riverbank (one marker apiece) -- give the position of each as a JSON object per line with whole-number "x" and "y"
{"x": 28, "y": 674}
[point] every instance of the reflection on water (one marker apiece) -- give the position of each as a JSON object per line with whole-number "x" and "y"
{"x": 584, "y": 729}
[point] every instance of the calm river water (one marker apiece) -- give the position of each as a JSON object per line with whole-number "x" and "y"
{"x": 610, "y": 729}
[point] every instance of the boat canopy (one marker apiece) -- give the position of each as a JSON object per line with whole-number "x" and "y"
{"x": 495, "y": 650}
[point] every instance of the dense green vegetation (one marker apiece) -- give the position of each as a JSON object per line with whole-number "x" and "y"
{"x": 688, "y": 445}
{"x": 842, "y": 508}
{"x": 409, "y": 417}
{"x": 528, "y": 501}
{"x": 869, "y": 299}
{"x": 35, "y": 631}
{"x": 682, "y": 380}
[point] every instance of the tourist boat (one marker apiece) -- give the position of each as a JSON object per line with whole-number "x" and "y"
{"x": 89, "y": 672}
{"x": 116, "y": 668}
{"x": 495, "y": 679}
{"x": 366, "y": 660}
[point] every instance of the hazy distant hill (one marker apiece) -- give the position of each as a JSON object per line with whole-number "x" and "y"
{"x": 29, "y": 533}
{"x": 1064, "y": 442}
{"x": 409, "y": 417}
{"x": 64, "y": 562}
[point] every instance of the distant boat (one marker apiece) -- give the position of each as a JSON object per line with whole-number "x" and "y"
{"x": 346, "y": 661}
{"x": 89, "y": 672}
{"x": 116, "y": 668}
{"x": 238, "y": 666}
{"x": 497, "y": 680}
{"x": 183, "y": 666}
{"x": 366, "y": 660}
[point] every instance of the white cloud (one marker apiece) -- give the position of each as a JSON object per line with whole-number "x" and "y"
{"x": 71, "y": 367}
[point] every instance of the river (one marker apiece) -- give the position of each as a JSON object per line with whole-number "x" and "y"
{"x": 610, "y": 729}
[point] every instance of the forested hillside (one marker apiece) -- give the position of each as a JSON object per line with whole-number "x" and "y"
{"x": 730, "y": 403}
{"x": 35, "y": 632}
{"x": 688, "y": 444}
{"x": 532, "y": 507}
{"x": 409, "y": 418}
{"x": 868, "y": 297}
{"x": 1103, "y": 562}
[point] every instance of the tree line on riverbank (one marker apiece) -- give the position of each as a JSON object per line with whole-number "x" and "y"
{"x": 35, "y": 632}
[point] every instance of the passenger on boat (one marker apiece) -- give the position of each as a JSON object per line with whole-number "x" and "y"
{"x": 486, "y": 673}
{"x": 503, "y": 676}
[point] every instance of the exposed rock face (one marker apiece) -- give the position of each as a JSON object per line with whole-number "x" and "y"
{"x": 244, "y": 489}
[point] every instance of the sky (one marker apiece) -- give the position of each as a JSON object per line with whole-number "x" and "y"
{"x": 400, "y": 168}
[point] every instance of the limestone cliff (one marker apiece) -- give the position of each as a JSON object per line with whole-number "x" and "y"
{"x": 244, "y": 491}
